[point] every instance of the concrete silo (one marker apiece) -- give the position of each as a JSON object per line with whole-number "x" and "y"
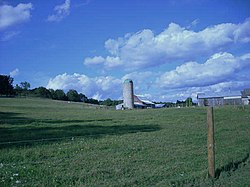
{"x": 128, "y": 94}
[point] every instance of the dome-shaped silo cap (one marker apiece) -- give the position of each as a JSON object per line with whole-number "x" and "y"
{"x": 128, "y": 81}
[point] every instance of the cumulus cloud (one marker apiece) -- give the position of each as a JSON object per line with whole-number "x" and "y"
{"x": 242, "y": 33}
{"x": 221, "y": 74}
{"x": 221, "y": 89}
{"x": 145, "y": 49}
{"x": 220, "y": 67}
{"x": 227, "y": 88}
{"x": 112, "y": 62}
{"x": 10, "y": 15}
{"x": 14, "y": 73}
{"x": 94, "y": 61}
{"x": 102, "y": 87}
{"x": 140, "y": 77}
{"x": 61, "y": 11}
{"x": 109, "y": 62}
{"x": 143, "y": 81}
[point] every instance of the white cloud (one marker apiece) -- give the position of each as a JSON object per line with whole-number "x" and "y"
{"x": 109, "y": 62}
{"x": 139, "y": 77}
{"x": 228, "y": 87}
{"x": 94, "y": 61}
{"x": 219, "y": 68}
{"x": 10, "y": 15}
{"x": 98, "y": 87}
{"x": 112, "y": 62}
{"x": 217, "y": 75}
{"x": 220, "y": 89}
{"x": 143, "y": 81}
{"x": 220, "y": 74}
{"x": 61, "y": 11}
{"x": 14, "y": 73}
{"x": 242, "y": 33}
{"x": 102, "y": 87}
{"x": 145, "y": 49}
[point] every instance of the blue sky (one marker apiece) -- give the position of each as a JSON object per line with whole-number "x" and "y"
{"x": 171, "y": 49}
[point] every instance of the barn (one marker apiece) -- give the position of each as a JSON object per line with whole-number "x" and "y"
{"x": 142, "y": 103}
{"x": 139, "y": 103}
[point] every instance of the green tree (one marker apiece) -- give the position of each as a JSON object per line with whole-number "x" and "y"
{"x": 73, "y": 96}
{"x": 22, "y": 88}
{"x": 83, "y": 98}
{"x": 42, "y": 92}
{"x": 93, "y": 101}
{"x": 108, "y": 102}
{"x": 25, "y": 85}
{"x": 189, "y": 101}
{"x": 60, "y": 95}
{"x": 6, "y": 87}
{"x": 18, "y": 90}
{"x": 52, "y": 93}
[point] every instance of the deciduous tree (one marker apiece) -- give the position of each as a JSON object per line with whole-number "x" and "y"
{"x": 6, "y": 87}
{"x": 73, "y": 96}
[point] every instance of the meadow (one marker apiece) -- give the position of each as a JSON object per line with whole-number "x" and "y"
{"x": 55, "y": 143}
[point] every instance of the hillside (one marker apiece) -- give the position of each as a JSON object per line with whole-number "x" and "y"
{"x": 53, "y": 143}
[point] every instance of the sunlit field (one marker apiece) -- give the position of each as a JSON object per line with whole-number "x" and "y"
{"x": 54, "y": 143}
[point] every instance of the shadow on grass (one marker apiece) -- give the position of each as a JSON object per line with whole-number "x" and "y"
{"x": 12, "y": 118}
{"x": 230, "y": 167}
{"x": 29, "y": 135}
{"x": 75, "y": 121}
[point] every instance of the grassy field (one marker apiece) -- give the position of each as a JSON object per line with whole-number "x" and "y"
{"x": 54, "y": 143}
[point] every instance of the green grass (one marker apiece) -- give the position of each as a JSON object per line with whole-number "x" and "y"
{"x": 54, "y": 143}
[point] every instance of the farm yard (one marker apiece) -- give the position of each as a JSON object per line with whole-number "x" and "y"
{"x": 54, "y": 143}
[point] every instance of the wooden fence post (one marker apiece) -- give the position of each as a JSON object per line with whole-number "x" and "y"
{"x": 210, "y": 143}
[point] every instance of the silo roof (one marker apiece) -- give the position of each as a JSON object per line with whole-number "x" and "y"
{"x": 128, "y": 81}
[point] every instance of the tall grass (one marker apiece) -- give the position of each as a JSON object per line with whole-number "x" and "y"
{"x": 54, "y": 143}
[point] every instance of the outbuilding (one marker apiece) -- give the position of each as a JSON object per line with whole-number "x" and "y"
{"x": 204, "y": 100}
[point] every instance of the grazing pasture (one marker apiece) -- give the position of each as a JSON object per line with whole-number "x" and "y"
{"x": 54, "y": 143}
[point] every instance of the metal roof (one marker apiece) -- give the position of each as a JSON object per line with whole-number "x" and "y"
{"x": 222, "y": 97}
{"x": 233, "y": 97}
{"x": 139, "y": 104}
{"x": 209, "y": 97}
{"x": 218, "y": 95}
{"x": 159, "y": 105}
{"x": 144, "y": 100}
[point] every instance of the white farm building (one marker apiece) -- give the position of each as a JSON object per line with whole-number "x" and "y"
{"x": 243, "y": 99}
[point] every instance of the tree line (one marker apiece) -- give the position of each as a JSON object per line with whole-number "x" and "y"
{"x": 186, "y": 103}
{"x": 23, "y": 90}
